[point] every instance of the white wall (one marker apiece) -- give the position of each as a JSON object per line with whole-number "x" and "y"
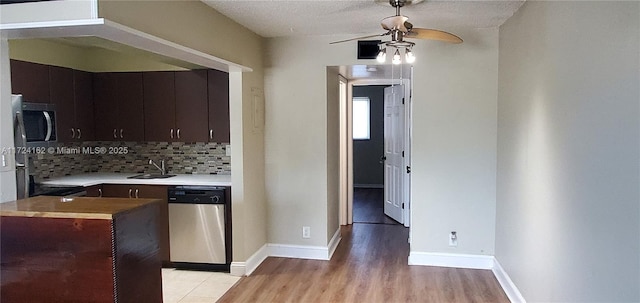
{"x": 454, "y": 139}
{"x": 454, "y": 145}
{"x": 568, "y": 202}
{"x": 7, "y": 173}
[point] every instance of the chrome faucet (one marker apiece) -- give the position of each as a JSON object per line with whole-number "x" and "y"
{"x": 161, "y": 167}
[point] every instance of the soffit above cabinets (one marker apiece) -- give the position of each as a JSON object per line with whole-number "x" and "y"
{"x": 106, "y": 35}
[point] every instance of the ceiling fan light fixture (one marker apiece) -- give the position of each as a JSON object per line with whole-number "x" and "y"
{"x": 409, "y": 56}
{"x": 396, "y": 57}
{"x": 382, "y": 55}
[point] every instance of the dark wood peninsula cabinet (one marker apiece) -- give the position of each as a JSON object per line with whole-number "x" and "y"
{"x": 31, "y": 80}
{"x": 71, "y": 92}
{"x": 218, "y": 87}
{"x": 175, "y": 106}
{"x": 118, "y": 105}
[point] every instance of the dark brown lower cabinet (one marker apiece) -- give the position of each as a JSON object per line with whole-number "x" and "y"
{"x": 146, "y": 191}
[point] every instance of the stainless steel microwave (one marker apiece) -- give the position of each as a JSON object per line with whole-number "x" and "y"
{"x": 34, "y": 122}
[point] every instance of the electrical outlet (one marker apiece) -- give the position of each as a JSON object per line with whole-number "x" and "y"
{"x": 4, "y": 161}
{"x": 453, "y": 239}
{"x": 306, "y": 232}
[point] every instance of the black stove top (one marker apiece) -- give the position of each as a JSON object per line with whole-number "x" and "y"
{"x": 50, "y": 190}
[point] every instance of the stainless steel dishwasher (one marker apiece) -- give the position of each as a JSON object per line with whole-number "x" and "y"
{"x": 199, "y": 229}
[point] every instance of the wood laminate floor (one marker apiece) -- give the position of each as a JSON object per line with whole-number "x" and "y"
{"x": 368, "y": 206}
{"x": 369, "y": 265}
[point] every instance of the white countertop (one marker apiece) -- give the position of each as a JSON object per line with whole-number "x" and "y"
{"x": 90, "y": 179}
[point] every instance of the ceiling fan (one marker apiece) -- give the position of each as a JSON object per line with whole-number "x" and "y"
{"x": 399, "y": 28}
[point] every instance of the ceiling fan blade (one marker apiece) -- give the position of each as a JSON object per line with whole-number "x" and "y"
{"x": 358, "y": 38}
{"x": 395, "y": 22}
{"x": 432, "y": 34}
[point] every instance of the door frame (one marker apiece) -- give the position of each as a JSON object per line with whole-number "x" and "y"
{"x": 346, "y": 147}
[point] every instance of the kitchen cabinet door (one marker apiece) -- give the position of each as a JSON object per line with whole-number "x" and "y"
{"x": 118, "y": 190}
{"x": 94, "y": 191}
{"x": 218, "y": 88}
{"x": 130, "y": 107}
{"x": 159, "y": 106}
{"x": 159, "y": 192}
{"x": 83, "y": 104}
{"x": 31, "y": 80}
{"x": 105, "y": 86}
{"x": 146, "y": 191}
{"x": 61, "y": 93}
{"x": 191, "y": 106}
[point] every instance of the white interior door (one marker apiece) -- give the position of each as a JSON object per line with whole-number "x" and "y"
{"x": 393, "y": 152}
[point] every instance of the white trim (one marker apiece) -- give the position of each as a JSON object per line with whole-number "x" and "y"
{"x": 94, "y": 9}
{"x": 451, "y": 260}
{"x": 246, "y": 268}
{"x": 299, "y": 251}
{"x": 333, "y": 244}
{"x": 508, "y": 286}
{"x": 368, "y": 185}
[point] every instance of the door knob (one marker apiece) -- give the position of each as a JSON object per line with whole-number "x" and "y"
{"x": 382, "y": 159}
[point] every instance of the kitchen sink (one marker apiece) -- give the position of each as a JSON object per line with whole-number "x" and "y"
{"x": 151, "y": 176}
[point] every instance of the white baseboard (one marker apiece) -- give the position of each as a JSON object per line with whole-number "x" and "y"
{"x": 333, "y": 244}
{"x": 298, "y": 251}
{"x": 509, "y": 288}
{"x": 368, "y": 185}
{"x": 240, "y": 269}
{"x": 286, "y": 251}
{"x": 451, "y": 260}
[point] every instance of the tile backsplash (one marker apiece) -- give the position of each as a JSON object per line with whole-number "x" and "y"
{"x": 130, "y": 157}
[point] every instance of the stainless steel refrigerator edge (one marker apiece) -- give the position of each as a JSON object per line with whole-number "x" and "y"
{"x": 20, "y": 142}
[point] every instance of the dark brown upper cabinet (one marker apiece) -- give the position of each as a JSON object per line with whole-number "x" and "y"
{"x": 192, "y": 105}
{"x": 175, "y": 106}
{"x": 61, "y": 93}
{"x": 31, "y": 80}
{"x": 83, "y": 104}
{"x": 218, "y": 83}
{"x": 71, "y": 92}
{"x": 118, "y": 106}
{"x": 159, "y": 106}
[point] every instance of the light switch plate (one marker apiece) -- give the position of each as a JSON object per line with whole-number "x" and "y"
{"x": 228, "y": 150}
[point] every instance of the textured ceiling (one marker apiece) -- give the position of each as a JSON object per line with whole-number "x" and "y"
{"x": 279, "y": 18}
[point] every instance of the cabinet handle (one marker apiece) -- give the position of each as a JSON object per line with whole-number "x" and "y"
{"x": 73, "y": 133}
{"x": 211, "y": 134}
{"x": 178, "y": 133}
{"x": 79, "y": 134}
{"x": 137, "y": 190}
{"x": 100, "y": 192}
{"x": 172, "y": 133}
{"x": 115, "y": 136}
{"x": 121, "y": 130}
{"x": 130, "y": 190}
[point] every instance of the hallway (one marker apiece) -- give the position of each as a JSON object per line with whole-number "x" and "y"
{"x": 369, "y": 265}
{"x": 368, "y": 206}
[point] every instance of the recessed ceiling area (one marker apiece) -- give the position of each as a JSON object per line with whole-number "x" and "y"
{"x": 280, "y": 18}
{"x": 376, "y": 72}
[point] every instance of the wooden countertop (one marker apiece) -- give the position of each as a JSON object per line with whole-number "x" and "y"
{"x": 76, "y": 207}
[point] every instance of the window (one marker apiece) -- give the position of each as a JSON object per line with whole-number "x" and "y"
{"x": 361, "y": 118}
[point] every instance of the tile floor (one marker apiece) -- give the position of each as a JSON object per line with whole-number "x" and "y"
{"x": 181, "y": 286}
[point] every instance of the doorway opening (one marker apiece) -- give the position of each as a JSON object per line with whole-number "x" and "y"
{"x": 369, "y": 159}
{"x": 381, "y": 173}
